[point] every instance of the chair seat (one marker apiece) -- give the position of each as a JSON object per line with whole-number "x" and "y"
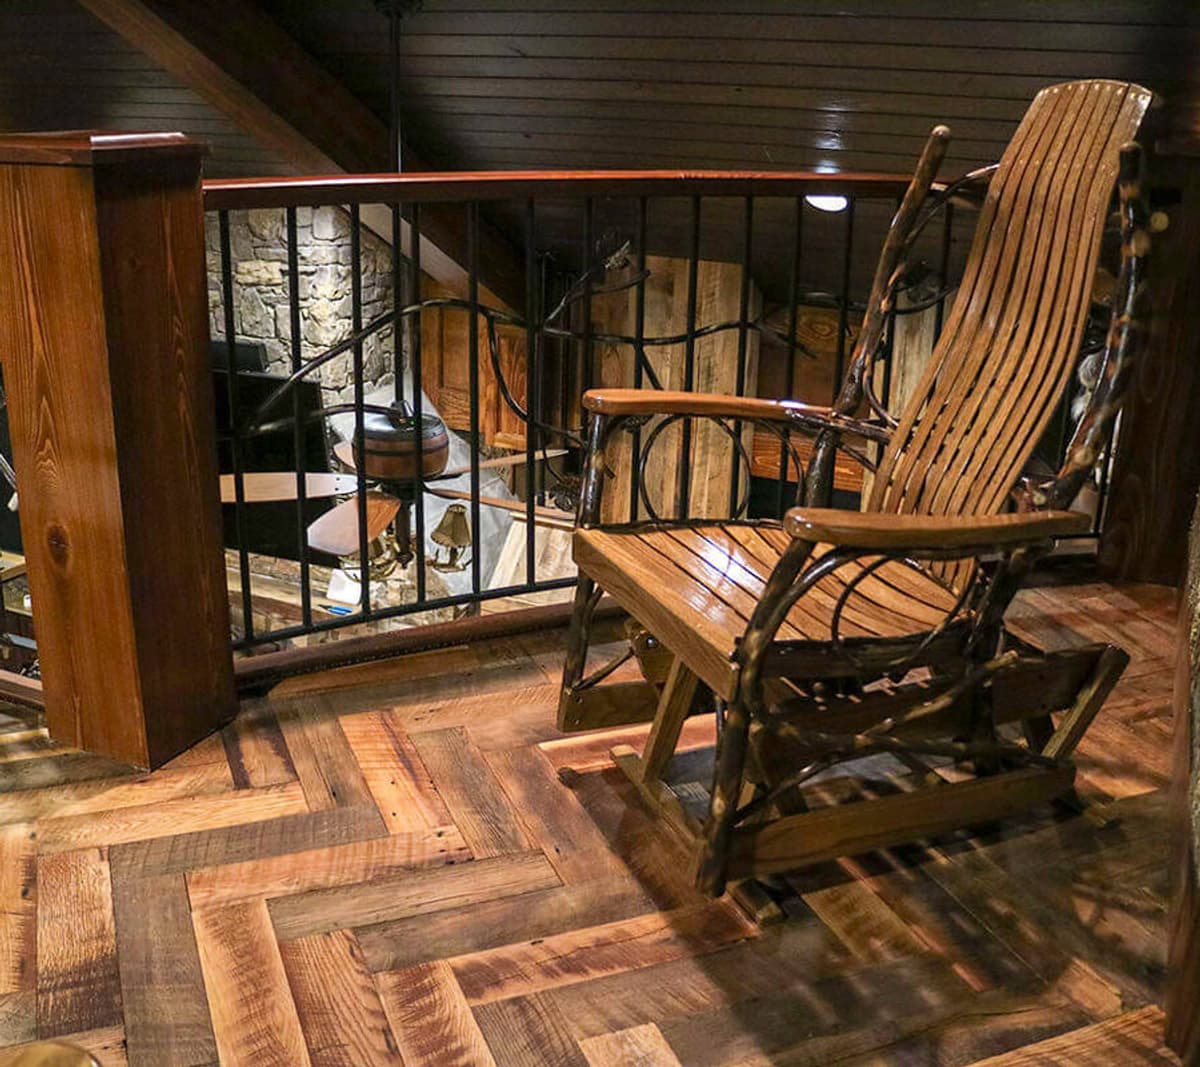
{"x": 695, "y": 588}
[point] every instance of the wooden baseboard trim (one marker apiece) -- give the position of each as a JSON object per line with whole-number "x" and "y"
{"x": 24, "y": 692}
{"x": 256, "y": 674}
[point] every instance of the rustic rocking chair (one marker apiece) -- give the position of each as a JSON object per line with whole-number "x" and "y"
{"x": 810, "y": 632}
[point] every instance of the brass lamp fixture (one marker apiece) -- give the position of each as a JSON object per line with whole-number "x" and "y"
{"x": 453, "y": 533}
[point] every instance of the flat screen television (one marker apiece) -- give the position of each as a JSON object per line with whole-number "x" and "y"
{"x": 271, "y": 528}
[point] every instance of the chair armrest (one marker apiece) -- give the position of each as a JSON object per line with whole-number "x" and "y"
{"x": 667, "y": 402}
{"x": 870, "y": 529}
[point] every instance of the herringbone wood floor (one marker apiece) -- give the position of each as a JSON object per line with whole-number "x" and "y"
{"x": 404, "y": 864}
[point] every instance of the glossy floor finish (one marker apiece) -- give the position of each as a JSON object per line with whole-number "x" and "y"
{"x": 405, "y": 864}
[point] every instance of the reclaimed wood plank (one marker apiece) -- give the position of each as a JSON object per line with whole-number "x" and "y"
{"x": 472, "y": 795}
{"x": 410, "y": 893}
{"x": 81, "y": 798}
{"x": 234, "y": 844}
{"x": 187, "y": 814}
{"x": 586, "y": 752}
{"x": 60, "y": 766}
{"x": 167, "y": 1018}
{"x": 639, "y": 1046}
{"x": 777, "y": 1026}
{"x": 400, "y": 783}
{"x": 107, "y": 1045}
{"x": 430, "y": 1019}
{"x": 325, "y": 867}
{"x": 870, "y": 929}
{"x": 1134, "y": 1038}
{"x": 255, "y": 749}
{"x": 18, "y": 1018}
{"x": 785, "y": 957}
{"x": 337, "y": 1001}
{"x": 391, "y": 946}
{"x": 650, "y": 851}
{"x": 325, "y": 765}
{"x": 985, "y": 1025}
{"x": 417, "y": 681}
{"x": 18, "y": 908}
{"x": 77, "y": 982}
{"x": 528, "y": 1032}
{"x": 253, "y": 1013}
{"x": 552, "y": 817}
{"x": 580, "y": 955}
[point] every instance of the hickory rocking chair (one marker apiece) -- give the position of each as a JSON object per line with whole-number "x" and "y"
{"x": 835, "y": 634}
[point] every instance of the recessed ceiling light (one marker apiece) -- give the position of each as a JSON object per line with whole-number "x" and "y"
{"x": 827, "y": 202}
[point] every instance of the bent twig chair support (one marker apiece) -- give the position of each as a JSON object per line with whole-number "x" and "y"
{"x": 807, "y": 632}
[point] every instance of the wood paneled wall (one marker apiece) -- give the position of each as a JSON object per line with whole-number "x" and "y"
{"x": 1156, "y": 471}
{"x": 61, "y": 68}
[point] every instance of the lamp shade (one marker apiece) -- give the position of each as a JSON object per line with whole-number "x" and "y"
{"x": 454, "y": 531}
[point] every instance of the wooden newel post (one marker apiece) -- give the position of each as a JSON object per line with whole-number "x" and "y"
{"x": 104, "y": 347}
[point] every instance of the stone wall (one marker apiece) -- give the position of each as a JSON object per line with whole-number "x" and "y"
{"x": 258, "y": 241}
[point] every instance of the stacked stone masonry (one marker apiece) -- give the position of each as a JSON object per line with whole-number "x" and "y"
{"x": 258, "y": 241}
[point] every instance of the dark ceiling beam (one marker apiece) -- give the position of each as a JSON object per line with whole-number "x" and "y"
{"x": 243, "y": 63}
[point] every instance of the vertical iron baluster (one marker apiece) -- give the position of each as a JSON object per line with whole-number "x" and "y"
{"x": 418, "y": 404}
{"x": 743, "y": 316}
{"x": 398, "y": 320}
{"x": 1106, "y": 466}
{"x": 639, "y": 352}
{"x": 532, "y": 435}
{"x": 540, "y": 384}
{"x": 561, "y": 349}
{"x": 585, "y": 349}
{"x": 790, "y": 372}
{"x": 360, "y": 460}
{"x": 235, "y": 438}
{"x": 298, "y": 428}
{"x": 473, "y": 368}
{"x": 844, "y": 299}
{"x": 947, "y": 235}
{"x": 683, "y": 507}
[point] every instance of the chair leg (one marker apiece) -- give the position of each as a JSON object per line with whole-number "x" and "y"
{"x": 577, "y": 646}
{"x": 726, "y": 792}
{"x": 1075, "y": 721}
{"x": 584, "y": 608}
{"x": 674, "y": 706}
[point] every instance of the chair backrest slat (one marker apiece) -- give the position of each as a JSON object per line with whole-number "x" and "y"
{"x": 1012, "y": 338}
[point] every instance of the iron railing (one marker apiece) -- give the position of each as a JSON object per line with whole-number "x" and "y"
{"x": 546, "y": 246}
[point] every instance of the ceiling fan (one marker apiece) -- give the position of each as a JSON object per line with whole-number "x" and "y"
{"x": 389, "y": 460}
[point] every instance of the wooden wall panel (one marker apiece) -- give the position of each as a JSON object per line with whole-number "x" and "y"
{"x": 61, "y": 68}
{"x": 718, "y": 290}
{"x": 1156, "y": 470}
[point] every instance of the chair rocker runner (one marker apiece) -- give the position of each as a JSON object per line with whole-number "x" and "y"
{"x": 835, "y": 635}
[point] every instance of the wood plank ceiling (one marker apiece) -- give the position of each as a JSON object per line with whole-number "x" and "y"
{"x": 837, "y": 84}
{"x": 62, "y": 68}
{"x": 767, "y": 84}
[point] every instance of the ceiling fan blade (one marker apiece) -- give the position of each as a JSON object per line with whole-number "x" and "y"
{"x": 336, "y": 532}
{"x": 262, "y": 486}
{"x": 344, "y": 451}
{"x": 504, "y": 461}
{"x": 549, "y": 517}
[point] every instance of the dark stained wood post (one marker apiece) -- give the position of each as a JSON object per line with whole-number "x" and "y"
{"x": 1183, "y": 932}
{"x": 104, "y": 343}
{"x": 1156, "y": 468}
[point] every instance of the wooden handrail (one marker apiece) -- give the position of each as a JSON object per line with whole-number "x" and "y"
{"x": 233, "y": 194}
